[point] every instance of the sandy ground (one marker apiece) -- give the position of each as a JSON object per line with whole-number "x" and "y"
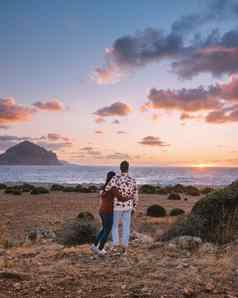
{"x": 151, "y": 269}
{"x": 19, "y": 214}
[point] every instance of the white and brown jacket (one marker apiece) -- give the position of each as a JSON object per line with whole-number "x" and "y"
{"x": 127, "y": 189}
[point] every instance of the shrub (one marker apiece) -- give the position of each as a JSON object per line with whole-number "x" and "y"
{"x": 57, "y": 187}
{"x": 192, "y": 190}
{"x": 176, "y": 212}
{"x": 39, "y": 190}
{"x": 27, "y": 187}
{"x": 179, "y": 188}
{"x": 3, "y": 186}
{"x": 15, "y": 190}
{"x": 148, "y": 189}
{"x": 207, "y": 190}
{"x": 214, "y": 218}
{"x": 174, "y": 196}
{"x": 156, "y": 211}
{"x": 77, "y": 231}
{"x": 69, "y": 189}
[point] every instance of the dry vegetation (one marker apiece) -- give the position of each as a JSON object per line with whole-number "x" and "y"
{"x": 152, "y": 268}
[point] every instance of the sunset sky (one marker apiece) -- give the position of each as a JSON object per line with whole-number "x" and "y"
{"x": 154, "y": 82}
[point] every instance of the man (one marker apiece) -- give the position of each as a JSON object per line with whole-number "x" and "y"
{"x": 123, "y": 205}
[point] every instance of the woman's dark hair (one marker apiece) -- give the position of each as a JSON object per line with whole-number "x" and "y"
{"x": 108, "y": 178}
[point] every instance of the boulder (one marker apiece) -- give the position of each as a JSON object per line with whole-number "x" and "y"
{"x": 174, "y": 196}
{"x": 187, "y": 242}
{"x": 176, "y": 212}
{"x": 214, "y": 218}
{"x": 79, "y": 230}
{"x": 156, "y": 211}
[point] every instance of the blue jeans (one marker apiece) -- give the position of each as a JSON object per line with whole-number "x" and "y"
{"x": 125, "y": 217}
{"x": 107, "y": 221}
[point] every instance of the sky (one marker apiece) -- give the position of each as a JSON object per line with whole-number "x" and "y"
{"x": 97, "y": 82}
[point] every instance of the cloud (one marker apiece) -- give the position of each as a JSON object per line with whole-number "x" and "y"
{"x": 54, "y": 105}
{"x": 57, "y": 137}
{"x": 98, "y": 132}
{"x": 190, "y": 100}
{"x": 11, "y": 112}
{"x": 133, "y": 51}
{"x": 217, "y": 55}
{"x": 218, "y": 100}
{"x": 99, "y": 120}
{"x": 189, "y": 54}
{"x": 118, "y": 156}
{"x": 2, "y": 126}
{"x": 107, "y": 75}
{"x": 54, "y": 146}
{"x": 121, "y": 132}
{"x": 225, "y": 115}
{"x": 91, "y": 152}
{"x": 116, "y": 121}
{"x": 115, "y": 109}
{"x": 153, "y": 141}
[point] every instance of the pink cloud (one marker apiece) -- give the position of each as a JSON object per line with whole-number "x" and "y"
{"x": 115, "y": 109}
{"x": 11, "y": 112}
{"x": 54, "y": 105}
{"x": 153, "y": 141}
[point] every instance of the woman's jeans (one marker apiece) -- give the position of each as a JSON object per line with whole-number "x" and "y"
{"x": 125, "y": 217}
{"x": 107, "y": 221}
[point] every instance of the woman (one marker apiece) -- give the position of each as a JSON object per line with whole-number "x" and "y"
{"x": 106, "y": 214}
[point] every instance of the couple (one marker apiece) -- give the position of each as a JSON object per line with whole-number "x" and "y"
{"x": 117, "y": 201}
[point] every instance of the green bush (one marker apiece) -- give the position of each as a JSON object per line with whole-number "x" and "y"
{"x": 174, "y": 196}
{"x": 176, "y": 212}
{"x": 214, "y": 218}
{"x": 148, "y": 189}
{"x": 3, "y": 186}
{"x": 69, "y": 189}
{"x": 192, "y": 190}
{"x": 57, "y": 187}
{"x": 156, "y": 211}
{"x": 78, "y": 231}
{"x": 39, "y": 190}
{"x": 207, "y": 190}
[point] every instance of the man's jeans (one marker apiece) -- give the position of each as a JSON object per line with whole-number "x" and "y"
{"x": 125, "y": 217}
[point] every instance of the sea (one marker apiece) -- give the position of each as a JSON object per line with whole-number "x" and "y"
{"x": 75, "y": 174}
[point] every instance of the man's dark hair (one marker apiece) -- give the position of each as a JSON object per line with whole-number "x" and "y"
{"x": 124, "y": 166}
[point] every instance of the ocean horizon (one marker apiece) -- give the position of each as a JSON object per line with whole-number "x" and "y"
{"x": 76, "y": 174}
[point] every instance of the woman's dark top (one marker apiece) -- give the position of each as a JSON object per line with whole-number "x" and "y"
{"x": 107, "y": 198}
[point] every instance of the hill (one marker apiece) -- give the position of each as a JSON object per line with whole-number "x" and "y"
{"x": 27, "y": 153}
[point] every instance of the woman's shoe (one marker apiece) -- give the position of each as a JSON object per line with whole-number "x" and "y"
{"x": 94, "y": 249}
{"x": 102, "y": 252}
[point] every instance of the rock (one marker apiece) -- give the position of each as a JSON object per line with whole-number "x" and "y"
{"x": 174, "y": 196}
{"x": 156, "y": 211}
{"x": 188, "y": 292}
{"x": 40, "y": 233}
{"x": 187, "y": 242}
{"x": 207, "y": 248}
{"x": 176, "y": 212}
{"x": 141, "y": 238}
{"x": 214, "y": 218}
{"x": 77, "y": 231}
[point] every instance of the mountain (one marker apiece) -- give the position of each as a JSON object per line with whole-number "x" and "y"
{"x": 27, "y": 153}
